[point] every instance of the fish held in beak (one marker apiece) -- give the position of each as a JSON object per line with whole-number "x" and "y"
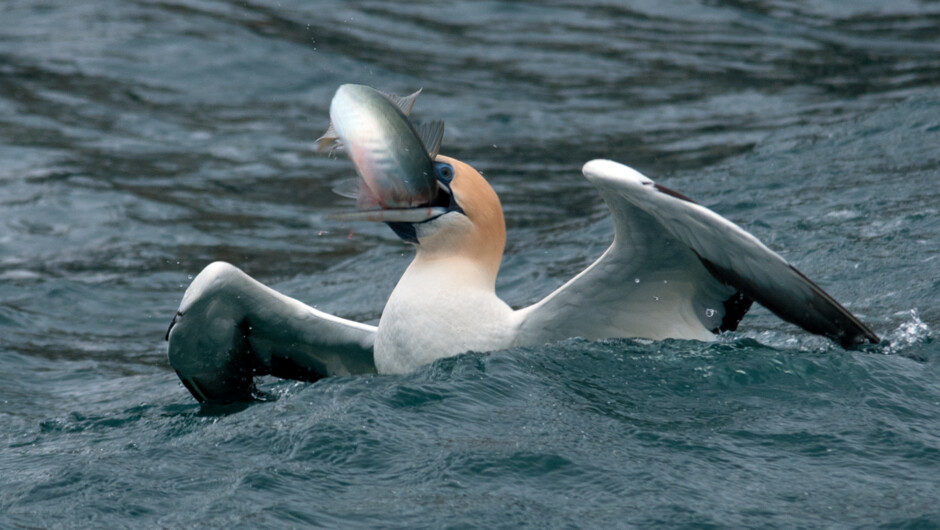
{"x": 392, "y": 156}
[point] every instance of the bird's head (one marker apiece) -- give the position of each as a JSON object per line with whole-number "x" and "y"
{"x": 464, "y": 220}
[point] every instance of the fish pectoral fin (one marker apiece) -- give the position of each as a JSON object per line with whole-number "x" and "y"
{"x": 348, "y": 188}
{"x": 329, "y": 141}
{"x": 431, "y": 134}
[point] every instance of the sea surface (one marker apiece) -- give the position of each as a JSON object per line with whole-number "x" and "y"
{"x": 141, "y": 140}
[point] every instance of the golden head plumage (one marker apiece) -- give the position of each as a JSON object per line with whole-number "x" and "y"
{"x": 473, "y": 228}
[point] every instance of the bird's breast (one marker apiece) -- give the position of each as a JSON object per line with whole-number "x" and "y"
{"x": 425, "y": 320}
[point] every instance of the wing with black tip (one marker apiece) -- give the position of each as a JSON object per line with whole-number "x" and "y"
{"x": 678, "y": 270}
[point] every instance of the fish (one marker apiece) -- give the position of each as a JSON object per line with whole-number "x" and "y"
{"x": 392, "y": 156}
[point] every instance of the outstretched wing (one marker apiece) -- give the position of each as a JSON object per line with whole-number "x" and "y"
{"x": 678, "y": 270}
{"x": 230, "y": 327}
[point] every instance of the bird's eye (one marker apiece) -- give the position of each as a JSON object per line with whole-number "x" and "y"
{"x": 445, "y": 172}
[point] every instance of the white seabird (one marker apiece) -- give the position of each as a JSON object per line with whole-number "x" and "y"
{"x": 675, "y": 270}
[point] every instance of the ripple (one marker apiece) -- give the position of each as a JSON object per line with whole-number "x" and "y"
{"x": 139, "y": 141}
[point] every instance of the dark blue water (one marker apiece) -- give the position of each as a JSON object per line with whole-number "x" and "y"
{"x": 140, "y": 140}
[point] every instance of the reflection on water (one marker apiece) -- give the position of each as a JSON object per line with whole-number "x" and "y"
{"x": 140, "y": 140}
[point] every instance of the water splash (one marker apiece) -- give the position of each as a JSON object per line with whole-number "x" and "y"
{"x": 911, "y": 332}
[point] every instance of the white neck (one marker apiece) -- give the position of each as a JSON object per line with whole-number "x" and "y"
{"x": 442, "y": 306}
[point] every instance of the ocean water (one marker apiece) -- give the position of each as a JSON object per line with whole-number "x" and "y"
{"x": 142, "y": 139}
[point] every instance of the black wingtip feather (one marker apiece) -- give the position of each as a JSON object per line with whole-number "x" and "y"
{"x": 735, "y": 308}
{"x": 820, "y": 314}
{"x": 172, "y": 323}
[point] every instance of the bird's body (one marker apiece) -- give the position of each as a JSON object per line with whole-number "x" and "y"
{"x": 429, "y": 315}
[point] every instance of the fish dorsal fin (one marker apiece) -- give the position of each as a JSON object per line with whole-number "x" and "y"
{"x": 431, "y": 134}
{"x": 404, "y": 103}
{"x": 330, "y": 140}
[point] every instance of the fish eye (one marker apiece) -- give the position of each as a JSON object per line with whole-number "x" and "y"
{"x": 445, "y": 172}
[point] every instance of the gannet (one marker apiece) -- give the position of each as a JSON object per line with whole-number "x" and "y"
{"x": 675, "y": 269}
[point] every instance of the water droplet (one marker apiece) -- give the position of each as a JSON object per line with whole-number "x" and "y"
{"x": 636, "y": 280}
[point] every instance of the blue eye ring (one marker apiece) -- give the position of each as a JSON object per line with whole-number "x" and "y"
{"x": 444, "y": 172}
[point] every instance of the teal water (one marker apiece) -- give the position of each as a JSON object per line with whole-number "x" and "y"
{"x": 141, "y": 140}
